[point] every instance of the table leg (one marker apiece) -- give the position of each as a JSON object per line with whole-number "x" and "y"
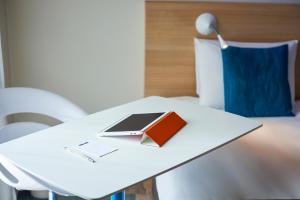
{"x": 118, "y": 196}
{"x": 52, "y": 195}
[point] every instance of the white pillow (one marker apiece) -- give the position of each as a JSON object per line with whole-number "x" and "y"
{"x": 209, "y": 69}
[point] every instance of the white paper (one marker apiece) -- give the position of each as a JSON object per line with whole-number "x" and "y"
{"x": 94, "y": 148}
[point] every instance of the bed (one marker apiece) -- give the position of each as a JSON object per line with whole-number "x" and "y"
{"x": 262, "y": 165}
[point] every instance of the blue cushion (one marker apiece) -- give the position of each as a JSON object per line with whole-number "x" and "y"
{"x": 256, "y": 81}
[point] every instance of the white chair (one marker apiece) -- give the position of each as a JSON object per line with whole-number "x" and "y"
{"x": 29, "y": 100}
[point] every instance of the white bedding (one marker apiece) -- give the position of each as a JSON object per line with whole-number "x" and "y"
{"x": 263, "y": 164}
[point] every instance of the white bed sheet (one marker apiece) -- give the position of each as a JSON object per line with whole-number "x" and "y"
{"x": 264, "y": 164}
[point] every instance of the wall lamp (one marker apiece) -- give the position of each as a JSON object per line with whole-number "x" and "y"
{"x": 206, "y": 24}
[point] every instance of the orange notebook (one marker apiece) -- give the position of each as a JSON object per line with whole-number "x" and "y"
{"x": 162, "y": 130}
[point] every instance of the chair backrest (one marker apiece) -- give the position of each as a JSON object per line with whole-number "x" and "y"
{"x": 30, "y": 100}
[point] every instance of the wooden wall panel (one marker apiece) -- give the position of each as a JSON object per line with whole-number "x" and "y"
{"x": 170, "y": 29}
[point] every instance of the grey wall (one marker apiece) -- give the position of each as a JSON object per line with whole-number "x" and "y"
{"x": 3, "y": 35}
{"x": 91, "y": 52}
{"x": 241, "y": 1}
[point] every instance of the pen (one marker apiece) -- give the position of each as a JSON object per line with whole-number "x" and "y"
{"x": 80, "y": 154}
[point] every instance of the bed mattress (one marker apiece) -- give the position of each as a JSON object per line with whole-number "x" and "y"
{"x": 264, "y": 164}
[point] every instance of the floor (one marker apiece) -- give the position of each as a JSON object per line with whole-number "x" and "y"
{"x": 25, "y": 195}
{"x": 142, "y": 191}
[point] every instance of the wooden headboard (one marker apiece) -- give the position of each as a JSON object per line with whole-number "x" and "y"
{"x": 170, "y": 29}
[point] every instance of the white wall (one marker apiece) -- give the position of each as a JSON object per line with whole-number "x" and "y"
{"x": 241, "y": 1}
{"x": 2, "y": 81}
{"x": 91, "y": 52}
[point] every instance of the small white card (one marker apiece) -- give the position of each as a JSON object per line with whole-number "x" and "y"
{"x": 95, "y": 149}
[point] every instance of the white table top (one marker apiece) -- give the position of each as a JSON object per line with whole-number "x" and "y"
{"x": 42, "y": 154}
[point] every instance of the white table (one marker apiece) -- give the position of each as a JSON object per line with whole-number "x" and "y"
{"x": 42, "y": 154}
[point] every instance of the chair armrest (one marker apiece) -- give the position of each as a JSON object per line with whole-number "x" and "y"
{"x": 15, "y": 177}
{"x": 7, "y": 177}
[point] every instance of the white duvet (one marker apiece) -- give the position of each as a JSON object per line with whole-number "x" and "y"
{"x": 264, "y": 164}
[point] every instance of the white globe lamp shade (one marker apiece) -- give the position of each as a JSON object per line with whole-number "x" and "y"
{"x": 206, "y": 23}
